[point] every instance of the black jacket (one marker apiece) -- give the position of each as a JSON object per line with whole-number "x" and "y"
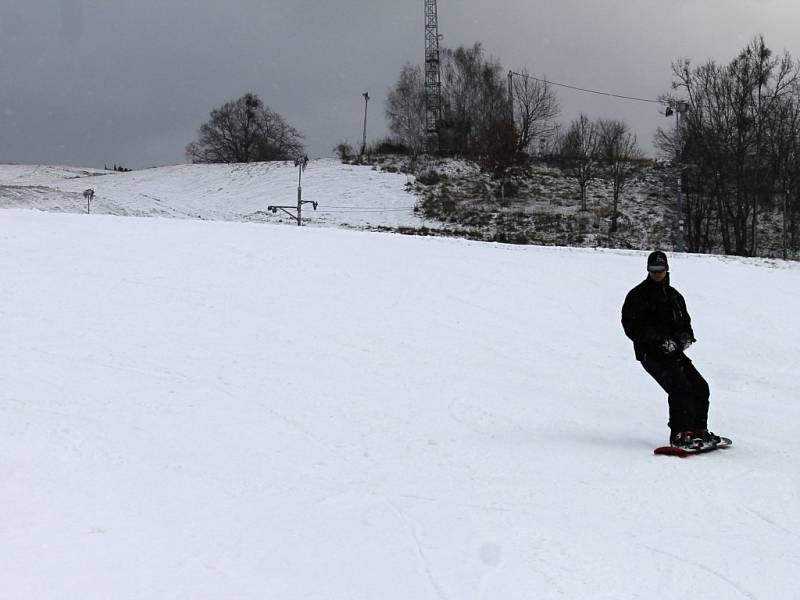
{"x": 653, "y": 312}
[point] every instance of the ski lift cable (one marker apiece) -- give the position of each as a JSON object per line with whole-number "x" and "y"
{"x": 587, "y": 90}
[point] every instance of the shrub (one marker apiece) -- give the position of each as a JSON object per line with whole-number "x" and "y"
{"x": 390, "y": 146}
{"x": 344, "y": 151}
{"x": 429, "y": 177}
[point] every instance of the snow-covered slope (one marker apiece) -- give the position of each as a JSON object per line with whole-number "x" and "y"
{"x": 348, "y": 195}
{"x": 216, "y": 410}
{"x": 33, "y": 175}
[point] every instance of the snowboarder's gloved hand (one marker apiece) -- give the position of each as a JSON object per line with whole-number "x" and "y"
{"x": 686, "y": 340}
{"x": 668, "y": 346}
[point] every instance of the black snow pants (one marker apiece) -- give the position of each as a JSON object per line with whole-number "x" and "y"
{"x": 688, "y": 391}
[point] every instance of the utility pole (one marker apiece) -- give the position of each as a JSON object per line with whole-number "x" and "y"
{"x": 511, "y": 96}
{"x": 679, "y": 107}
{"x": 301, "y": 163}
{"x": 364, "y": 142}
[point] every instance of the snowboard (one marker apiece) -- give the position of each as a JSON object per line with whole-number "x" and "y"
{"x": 683, "y": 452}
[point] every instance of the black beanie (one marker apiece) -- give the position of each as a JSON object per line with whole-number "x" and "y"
{"x": 657, "y": 262}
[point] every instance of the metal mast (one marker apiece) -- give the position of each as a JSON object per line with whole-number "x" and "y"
{"x": 433, "y": 81}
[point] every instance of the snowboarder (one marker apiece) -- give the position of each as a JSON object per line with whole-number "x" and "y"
{"x": 655, "y": 318}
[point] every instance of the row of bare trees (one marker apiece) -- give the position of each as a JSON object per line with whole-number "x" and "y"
{"x": 738, "y": 149}
{"x": 476, "y": 112}
{"x": 498, "y": 119}
{"x": 599, "y": 148}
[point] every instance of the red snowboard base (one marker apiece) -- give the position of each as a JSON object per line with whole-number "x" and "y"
{"x": 682, "y": 453}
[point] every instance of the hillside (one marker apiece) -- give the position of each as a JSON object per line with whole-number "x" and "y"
{"x": 348, "y": 195}
{"x": 212, "y": 410}
{"x": 538, "y": 204}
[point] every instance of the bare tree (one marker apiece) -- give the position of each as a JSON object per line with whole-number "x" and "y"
{"x": 535, "y": 110}
{"x": 703, "y": 156}
{"x": 770, "y": 79}
{"x": 474, "y": 101}
{"x": 726, "y": 136}
{"x": 405, "y": 108}
{"x": 245, "y": 130}
{"x": 784, "y": 141}
{"x": 619, "y": 151}
{"x": 580, "y": 151}
{"x": 474, "y": 97}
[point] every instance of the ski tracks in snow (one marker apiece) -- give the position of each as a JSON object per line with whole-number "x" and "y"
{"x": 409, "y": 526}
{"x": 698, "y": 565}
{"x": 770, "y": 522}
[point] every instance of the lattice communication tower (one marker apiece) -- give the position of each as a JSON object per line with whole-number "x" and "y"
{"x": 433, "y": 79}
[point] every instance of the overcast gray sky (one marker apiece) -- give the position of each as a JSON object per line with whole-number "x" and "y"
{"x": 94, "y": 82}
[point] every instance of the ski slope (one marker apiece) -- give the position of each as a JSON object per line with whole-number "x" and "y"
{"x": 351, "y": 196}
{"x": 205, "y": 410}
